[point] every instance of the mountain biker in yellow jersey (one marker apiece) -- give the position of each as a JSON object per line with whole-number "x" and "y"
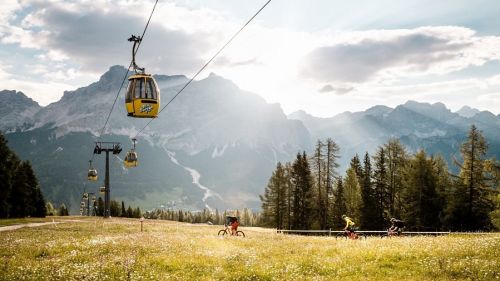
{"x": 349, "y": 224}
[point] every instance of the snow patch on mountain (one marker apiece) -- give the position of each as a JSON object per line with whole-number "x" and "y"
{"x": 195, "y": 175}
{"x": 434, "y": 133}
{"x": 218, "y": 153}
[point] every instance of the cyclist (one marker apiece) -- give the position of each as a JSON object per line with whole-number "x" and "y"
{"x": 234, "y": 223}
{"x": 396, "y": 226}
{"x": 349, "y": 224}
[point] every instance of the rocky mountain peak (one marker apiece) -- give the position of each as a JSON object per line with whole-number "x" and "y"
{"x": 17, "y": 110}
{"x": 467, "y": 111}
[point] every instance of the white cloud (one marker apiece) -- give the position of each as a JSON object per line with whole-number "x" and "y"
{"x": 388, "y": 54}
{"x": 68, "y": 44}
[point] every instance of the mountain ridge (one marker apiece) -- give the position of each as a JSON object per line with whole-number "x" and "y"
{"x": 215, "y": 145}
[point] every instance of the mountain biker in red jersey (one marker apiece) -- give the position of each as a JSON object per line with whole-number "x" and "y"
{"x": 234, "y": 223}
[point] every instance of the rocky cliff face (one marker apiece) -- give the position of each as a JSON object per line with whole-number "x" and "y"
{"x": 17, "y": 111}
{"x": 214, "y": 145}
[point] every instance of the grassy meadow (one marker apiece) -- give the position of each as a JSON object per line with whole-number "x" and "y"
{"x": 115, "y": 249}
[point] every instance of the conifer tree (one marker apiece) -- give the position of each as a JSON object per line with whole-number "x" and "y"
{"x": 7, "y": 168}
{"x": 321, "y": 192}
{"x": 123, "y": 211}
{"x": 303, "y": 193}
{"x": 444, "y": 185}
{"x": 50, "y": 209}
{"x": 339, "y": 205}
{"x": 380, "y": 184}
{"x": 129, "y": 213}
{"x": 368, "y": 214}
{"x": 421, "y": 207}
{"x": 63, "y": 211}
{"x": 20, "y": 196}
{"x": 332, "y": 154}
{"x": 136, "y": 213}
{"x": 100, "y": 206}
{"x": 274, "y": 203}
{"x": 396, "y": 158}
{"x": 114, "y": 208}
{"x": 472, "y": 202}
{"x": 355, "y": 164}
{"x": 352, "y": 195}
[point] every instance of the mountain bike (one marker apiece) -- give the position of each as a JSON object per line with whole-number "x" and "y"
{"x": 390, "y": 233}
{"x": 350, "y": 235}
{"x": 227, "y": 232}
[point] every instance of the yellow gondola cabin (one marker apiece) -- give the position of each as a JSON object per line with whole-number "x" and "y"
{"x": 143, "y": 96}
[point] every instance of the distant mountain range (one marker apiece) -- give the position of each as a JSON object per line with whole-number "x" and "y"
{"x": 418, "y": 125}
{"x": 215, "y": 145}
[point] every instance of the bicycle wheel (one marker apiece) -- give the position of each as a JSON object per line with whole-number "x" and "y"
{"x": 222, "y": 232}
{"x": 361, "y": 236}
{"x": 240, "y": 233}
{"x": 341, "y": 235}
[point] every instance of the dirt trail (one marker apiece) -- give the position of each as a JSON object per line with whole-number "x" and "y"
{"x": 33, "y": 224}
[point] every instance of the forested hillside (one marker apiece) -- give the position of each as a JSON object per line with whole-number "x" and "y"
{"x": 309, "y": 193}
{"x": 20, "y": 193}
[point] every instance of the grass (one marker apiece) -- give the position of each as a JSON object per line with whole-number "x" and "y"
{"x": 115, "y": 249}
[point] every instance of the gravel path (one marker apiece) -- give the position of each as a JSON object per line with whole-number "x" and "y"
{"x": 33, "y": 224}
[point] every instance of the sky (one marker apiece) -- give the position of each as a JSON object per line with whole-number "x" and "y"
{"x": 321, "y": 56}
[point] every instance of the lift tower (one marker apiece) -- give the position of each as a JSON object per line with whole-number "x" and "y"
{"x": 107, "y": 147}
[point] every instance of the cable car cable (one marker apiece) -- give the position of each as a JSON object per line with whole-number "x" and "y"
{"x": 125, "y": 77}
{"x": 205, "y": 66}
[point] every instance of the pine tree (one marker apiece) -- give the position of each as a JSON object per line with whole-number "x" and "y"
{"x": 339, "y": 207}
{"x": 355, "y": 164}
{"x": 123, "y": 211}
{"x": 368, "y": 215}
{"x": 20, "y": 195}
{"x": 473, "y": 203}
{"x": 332, "y": 154}
{"x": 100, "y": 206}
{"x": 303, "y": 193}
{"x": 137, "y": 213}
{"x": 8, "y": 166}
{"x": 444, "y": 186}
{"x": 420, "y": 196}
{"x": 321, "y": 192}
{"x": 380, "y": 184}
{"x": 63, "y": 211}
{"x": 352, "y": 195}
{"x": 50, "y": 209}
{"x": 288, "y": 195}
{"x": 274, "y": 204}
{"x": 40, "y": 209}
{"x": 129, "y": 213}
{"x": 396, "y": 158}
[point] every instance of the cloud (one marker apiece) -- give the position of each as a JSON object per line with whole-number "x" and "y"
{"x": 94, "y": 35}
{"x": 365, "y": 56}
{"x": 336, "y": 90}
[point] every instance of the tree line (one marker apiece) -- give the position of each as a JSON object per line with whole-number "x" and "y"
{"x": 419, "y": 188}
{"x": 246, "y": 216}
{"x": 20, "y": 193}
{"x": 115, "y": 209}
